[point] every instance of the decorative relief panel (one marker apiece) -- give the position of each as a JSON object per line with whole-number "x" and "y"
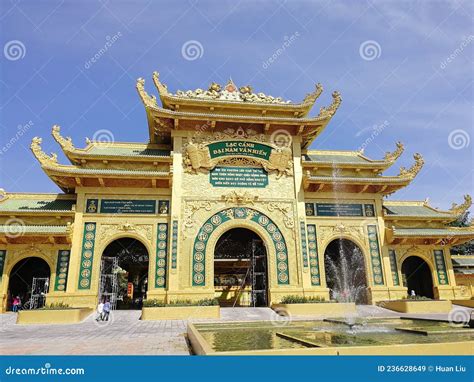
{"x": 161, "y": 255}
{"x": 327, "y": 233}
{"x": 201, "y": 240}
{"x": 375, "y": 258}
{"x": 107, "y": 230}
{"x": 62, "y": 267}
{"x": 313, "y": 256}
{"x": 87, "y": 255}
{"x": 440, "y": 267}
{"x": 204, "y": 152}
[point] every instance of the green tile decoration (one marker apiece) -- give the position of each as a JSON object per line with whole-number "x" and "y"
{"x": 375, "y": 258}
{"x": 174, "y": 245}
{"x": 3, "y": 255}
{"x": 87, "y": 255}
{"x": 201, "y": 240}
{"x": 161, "y": 255}
{"x": 393, "y": 266}
{"x": 313, "y": 255}
{"x": 62, "y": 268}
{"x": 440, "y": 267}
{"x": 304, "y": 245}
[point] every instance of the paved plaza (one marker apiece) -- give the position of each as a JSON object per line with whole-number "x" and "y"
{"x": 125, "y": 333}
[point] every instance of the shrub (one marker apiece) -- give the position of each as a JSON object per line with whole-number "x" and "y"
{"x": 160, "y": 304}
{"x": 56, "y": 306}
{"x": 418, "y": 298}
{"x": 293, "y": 299}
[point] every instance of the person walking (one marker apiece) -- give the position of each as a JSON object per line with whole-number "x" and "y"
{"x": 107, "y": 308}
{"x": 16, "y": 304}
{"x": 100, "y": 311}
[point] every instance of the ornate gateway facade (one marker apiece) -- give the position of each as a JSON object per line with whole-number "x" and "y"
{"x": 227, "y": 201}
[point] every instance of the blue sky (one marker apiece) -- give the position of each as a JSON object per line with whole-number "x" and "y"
{"x": 404, "y": 70}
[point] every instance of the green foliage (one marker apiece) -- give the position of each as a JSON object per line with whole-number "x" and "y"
{"x": 293, "y": 299}
{"x": 418, "y": 298}
{"x": 56, "y": 306}
{"x": 466, "y": 248}
{"x": 161, "y": 304}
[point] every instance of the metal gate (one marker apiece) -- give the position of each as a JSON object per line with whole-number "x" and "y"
{"x": 109, "y": 280}
{"x": 258, "y": 274}
{"x": 39, "y": 288}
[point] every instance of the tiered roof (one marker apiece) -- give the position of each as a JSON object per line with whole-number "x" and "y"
{"x": 353, "y": 172}
{"x": 229, "y": 104}
{"x": 417, "y": 222}
{"x": 106, "y": 164}
{"x": 36, "y": 218}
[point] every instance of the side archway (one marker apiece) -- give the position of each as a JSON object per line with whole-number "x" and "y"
{"x": 346, "y": 271}
{"x": 417, "y": 277}
{"x": 124, "y": 273}
{"x": 21, "y": 281}
{"x": 200, "y": 246}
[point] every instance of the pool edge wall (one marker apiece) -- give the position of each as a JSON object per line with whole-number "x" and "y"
{"x": 417, "y": 306}
{"x": 53, "y": 316}
{"x": 327, "y": 309}
{"x": 180, "y": 312}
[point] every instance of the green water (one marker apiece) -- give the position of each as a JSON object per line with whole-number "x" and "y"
{"x": 303, "y": 334}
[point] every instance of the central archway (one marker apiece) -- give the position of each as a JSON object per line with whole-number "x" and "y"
{"x": 240, "y": 268}
{"x": 416, "y": 276}
{"x": 29, "y": 281}
{"x": 124, "y": 274}
{"x": 346, "y": 275}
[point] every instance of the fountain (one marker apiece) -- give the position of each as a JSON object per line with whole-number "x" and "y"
{"x": 345, "y": 272}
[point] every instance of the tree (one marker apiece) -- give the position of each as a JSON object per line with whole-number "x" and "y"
{"x": 466, "y": 248}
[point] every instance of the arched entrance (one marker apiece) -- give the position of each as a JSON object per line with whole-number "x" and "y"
{"x": 29, "y": 280}
{"x": 416, "y": 276}
{"x": 124, "y": 274}
{"x": 240, "y": 269}
{"x": 346, "y": 275}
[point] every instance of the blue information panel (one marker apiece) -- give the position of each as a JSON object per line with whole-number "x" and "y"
{"x": 238, "y": 369}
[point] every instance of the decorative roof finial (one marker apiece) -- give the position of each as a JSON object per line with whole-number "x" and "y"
{"x": 463, "y": 207}
{"x": 65, "y": 143}
{"x": 414, "y": 169}
{"x": 162, "y": 88}
{"x": 328, "y": 112}
{"x": 148, "y": 100}
{"x": 393, "y": 156}
{"x": 42, "y": 157}
{"x": 312, "y": 97}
